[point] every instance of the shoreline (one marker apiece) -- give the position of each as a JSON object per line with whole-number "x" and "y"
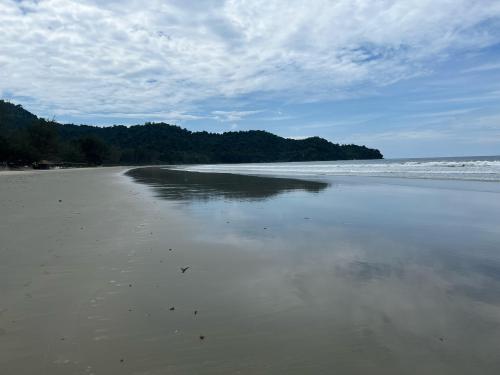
{"x": 473, "y": 169}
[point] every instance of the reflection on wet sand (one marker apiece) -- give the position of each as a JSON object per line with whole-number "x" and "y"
{"x": 380, "y": 278}
{"x": 184, "y": 186}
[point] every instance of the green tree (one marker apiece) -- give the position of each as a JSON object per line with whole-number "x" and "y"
{"x": 4, "y": 149}
{"x": 93, "y": 149}
{"x": 44, "y": 138}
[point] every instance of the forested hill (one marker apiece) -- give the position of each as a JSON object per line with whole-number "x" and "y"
{"x": 25, "y": 138}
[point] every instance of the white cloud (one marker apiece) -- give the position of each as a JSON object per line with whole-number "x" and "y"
{"x": 459, "y": 127}
{"x": 401, "y": 135}
{"x": 232, "y": 116}
{"x": 488, "y": 96}
{"x": 441, "y": 114}
{"x": 482, "y": 68}
{"x": 156, "y": 116}
{"x": 108, "y": 57}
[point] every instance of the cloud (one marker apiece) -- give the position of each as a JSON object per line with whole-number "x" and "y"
{"x": 402, "y": 135}
{"x": 157, "y": 116}
{"x": 459, "y": 127}
{"x": 232, "y": 116}
{"x": 442, "y": 114}
{"x": 482, "y": 68}
{"x": 108, "y": 57}
{"x": 485, "y": 97}
{"x": 353, "y": 120}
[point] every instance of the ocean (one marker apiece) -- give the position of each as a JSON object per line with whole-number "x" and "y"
{"x": 479, "y": 168}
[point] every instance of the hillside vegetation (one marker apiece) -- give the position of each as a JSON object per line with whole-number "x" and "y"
{"x": 25, "y": 138}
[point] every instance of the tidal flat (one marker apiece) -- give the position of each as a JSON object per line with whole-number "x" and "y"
{"x": 347, "y": 275}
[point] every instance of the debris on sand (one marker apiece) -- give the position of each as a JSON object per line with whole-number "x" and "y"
{"x": 195, "y": 312}
{"x": 202, "y": 337}
{"x": 172, "y": 308}
{"x": 184, "y": 269}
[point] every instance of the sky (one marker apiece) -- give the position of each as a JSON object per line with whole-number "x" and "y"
{"x": 413, "y": 78}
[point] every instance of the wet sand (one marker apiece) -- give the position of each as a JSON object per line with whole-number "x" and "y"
{"x": 350, "y": 276}
{"x": 85, "y": 278}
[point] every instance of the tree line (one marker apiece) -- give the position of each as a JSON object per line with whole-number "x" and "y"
{"x": 25, "y": 138}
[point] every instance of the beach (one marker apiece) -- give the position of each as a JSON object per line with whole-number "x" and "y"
{"x": 317, "y": 275}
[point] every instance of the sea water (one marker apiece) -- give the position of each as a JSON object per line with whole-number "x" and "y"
{"x": 482, "y": 168}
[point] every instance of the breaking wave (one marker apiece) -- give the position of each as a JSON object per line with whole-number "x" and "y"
{"x": 480, "y": 168}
